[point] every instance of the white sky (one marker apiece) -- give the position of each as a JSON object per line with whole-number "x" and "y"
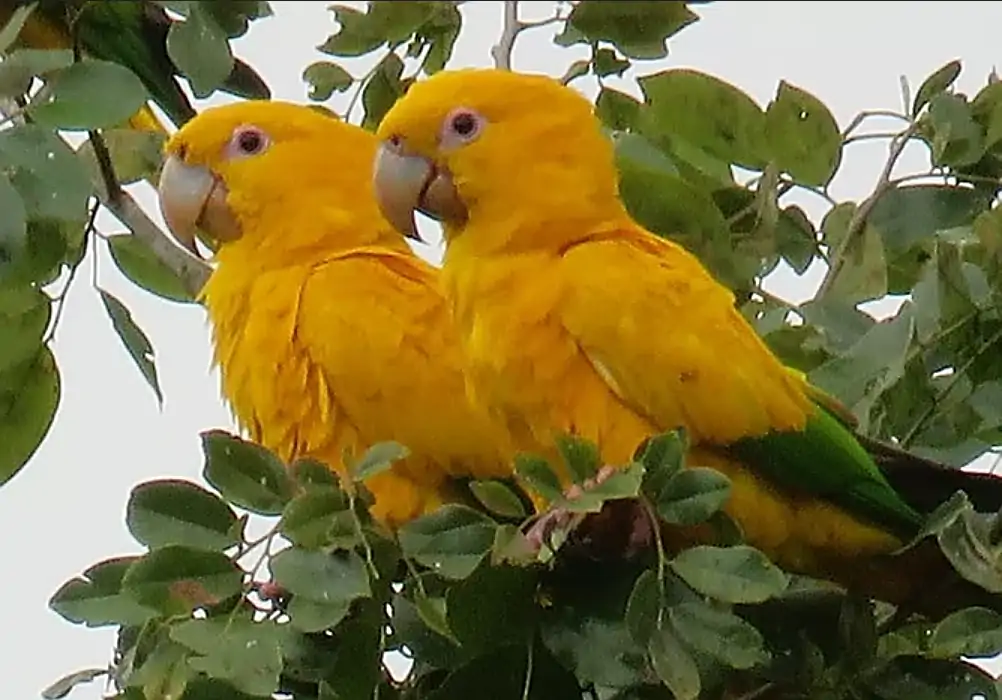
{"x": 65, "y": 511}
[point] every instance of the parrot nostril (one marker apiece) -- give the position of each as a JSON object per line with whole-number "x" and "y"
{"x": 395, "y": 142}
{"x": 182, "y": 151}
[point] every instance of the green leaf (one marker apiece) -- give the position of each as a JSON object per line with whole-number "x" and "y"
{"x": 803, "y": 136}
{"x": 246, "y": 654}
{"x": 439, "y": 33}
{"x": 65, "y": 685}
{"x": 674, "y": 665}
{"x": 172, "y": 511}
{"x": 692, "y": 495}
{"x": 494, "y": 607}
{"x": 974, "y": 632}
{"x": 384, "y": 23}
{"x": 908, "y": 215}
{"x": 498, "y": 498}
{"x": 175, "y": 579}
{"x": 719, "y": 634}
{"x": 29, "y": 396}
{"x": 246, "y": 474}
{"x": 606, "y": 62}
{"x": 90, "y": 94}
{"x": 539, "y": 476}
{"x": 378, "y": 459}
{"x": 199, "y": 48}
{"x": 957, "y": 140}
{"x": 25, "y": 312}
{"x": 46, "y": 172}
{"x": 135, "y": 341}
{"x": 10, "y": 31}
{"x": 311, "y": 518}
{"x": 863, "y": 275}
{"x": 163, "y": 672}
{"x": 708, "y": 113}
{"x": 623, "y": 483}
{"x": 323, "y": 584}
{"x": 13, "y": 225}
{"x": 738, "y": 574}
{"x": 21, "y": 65}
{"x": 796, "y": 239}
{"x": 139, "y": 263}
{"x": 638, "y": 29}
{"x": 938, "y": 82}
{"x": 355, "y": 37}
{"x": 618, "y": 111}
{"x": 203, "y": 688}
{"x": 580, "y": 456}
{"x": 643, "y": 607}
{"x": 325, "y": 78}
{"x": 312, "y": 474}
{"x": 135, "y": 155}
{"x": 451, "y": 541}
{"x": 382, "y": 90}
{"x": 96, "y": 599}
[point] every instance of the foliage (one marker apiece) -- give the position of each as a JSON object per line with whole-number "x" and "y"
{"x": 459, "y": 591}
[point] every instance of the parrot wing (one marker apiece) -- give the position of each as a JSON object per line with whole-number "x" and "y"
{"x": 666, "y": 338}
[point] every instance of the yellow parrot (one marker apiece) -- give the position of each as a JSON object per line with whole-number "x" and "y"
{"x": 574, "y": 319}
{"x": 329, "y": 332}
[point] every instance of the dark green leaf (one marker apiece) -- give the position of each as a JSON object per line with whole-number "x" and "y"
{"x": 957, "y": 140}
{"x": 24, "y": 315}
{"x": 246, "y": 474}
{"x": 201, "y": 688}
{"x": 163, "y": 672}
{"x": 494, "y": 607}
{"x": 498, "y": 498}
{"x": 580, "y": 456}
{"x": 863, "y": 275}
{"x": 139, "y": 263}
{"x": 90, "y": 95}
{"x": 65, "y": 685}
{"x": 974, "y": 632}
{"x": 176, "y": 580}
{"x": 451, "y": 541}
{"x": 708, "y": 113}
{"x": 135, "y": 341}
{"x": 538, "y": 476}
{"x": 382, "y": 90}
{"x": 331, "y": 579}
{"x": 246, "y": 654}
{"x": 908, "y": 215}
{"x": 674, "y": 665}
{"x": 383, "y": 23}
{"x": 199, "y": 48}
{"x": 692, "y": 495}
{"x": 311, "y": 474}
{"x": 13, "y": 225}
{"x": 440, "y": 33}
{"x": 29, "y": 395}
{"x": 803, "y": 137}
{"x": 325, "y": 78}
{"x": 355, "y": 37}
{"x": 315, "y": 616}
{"x": 738, "y": 574}
{"x": 719, "y": 634}
{"x": 377, "y": 459}
{"x": 172, "y": 511}
{"x": 135, "y": 154}
{"x": 618, "y": 111}
{"x": 21, "y": 65}
{"x": 96, "y": 599}
{"x": 311, "y": 518}
{"x": 796, "y": 239}
{"x": 638, "y": 29}
{"x": 935, "y": 84}
{"x": 46, "y": 172}
{"x": 643, "y": 607}
{"x": 606, "y": 62}
{"x": 434, "y": 614}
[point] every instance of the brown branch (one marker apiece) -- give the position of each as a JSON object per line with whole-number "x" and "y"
{"x": 502, "y": 51}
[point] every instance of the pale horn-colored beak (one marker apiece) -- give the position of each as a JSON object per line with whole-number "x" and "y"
{"x": 193, "y": 199}
{"x": 407, "y": 183}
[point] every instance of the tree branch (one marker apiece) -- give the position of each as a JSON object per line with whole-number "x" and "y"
{"x": 502, "y": 51}
{"x": 857, "y": 224}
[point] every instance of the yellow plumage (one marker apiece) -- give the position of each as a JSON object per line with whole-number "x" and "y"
{"x": 330, "y": 334}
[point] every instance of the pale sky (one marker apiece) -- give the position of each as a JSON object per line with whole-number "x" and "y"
{"x": 65, "y": 511}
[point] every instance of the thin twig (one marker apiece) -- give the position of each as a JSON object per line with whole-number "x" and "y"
{"x": 60, "y": 299}
{"x": 857, "y": 223}
{"x": 502, "y": 51}
{"x": 868, "y": 113}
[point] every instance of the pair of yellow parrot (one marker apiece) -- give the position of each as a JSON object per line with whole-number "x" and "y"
{"x": 554, "y": 312}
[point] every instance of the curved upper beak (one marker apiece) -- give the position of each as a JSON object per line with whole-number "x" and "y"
{"x": 405, "y": 183}
{"x": 192, "y": 198}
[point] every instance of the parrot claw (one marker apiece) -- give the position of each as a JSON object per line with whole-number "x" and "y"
{"x": 622, "y": 525}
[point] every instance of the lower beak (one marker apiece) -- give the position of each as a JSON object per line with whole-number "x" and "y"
{"x": 193, "y": 200}
{"x": 408, "y": 183}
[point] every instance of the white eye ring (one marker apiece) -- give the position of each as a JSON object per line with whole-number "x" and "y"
{"x": 462, "y": 125}
{"x": 249, "y": 141}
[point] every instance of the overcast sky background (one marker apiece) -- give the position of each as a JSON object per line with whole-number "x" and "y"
{"x": 65, "y": 511}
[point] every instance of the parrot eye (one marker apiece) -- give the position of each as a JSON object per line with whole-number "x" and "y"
{"x": 248, "y": 141}
{"x": 461, "y": 126}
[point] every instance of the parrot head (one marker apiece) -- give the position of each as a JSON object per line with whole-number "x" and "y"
{"x": 476, "y": 144}
{"x": 229, "y": 165}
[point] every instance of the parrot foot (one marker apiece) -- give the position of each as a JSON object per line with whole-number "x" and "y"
{"x": 620, "y": 530}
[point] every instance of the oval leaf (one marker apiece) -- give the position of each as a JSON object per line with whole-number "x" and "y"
{"x": 172, "y": 511}
{"x": 29, "y": 396}
{"x": 96, "y": 599}
{"x": 538, "y": 476}
{"x": 738, "y": 574}
{"x": 139, "y": 263}
{"x": 200, "y": 49}
{"x": 246, "y": 654}
{"x": 941, "y": 79}
{"x": 135, "y": 341}
{"x": 377, "y": 459}
{"x": 46, "y": 172}
{"x": 804, "y": 138}
{"x": 498, "y": 498}
{"x": 175, "y": 580}
{"x": 719, "y": 634}
{"x": 674, "y": 665}
{"x": 692, "y": 495}
{"x": 91, "y": 94}
{"x": 246, "y": 474}
{"x": 24, "y": 315}
{"x": 321, "y": 577}
{"x": 310, "y": 519}
{"x": 974, "y": 632}
{"x": 451, "y": 540}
